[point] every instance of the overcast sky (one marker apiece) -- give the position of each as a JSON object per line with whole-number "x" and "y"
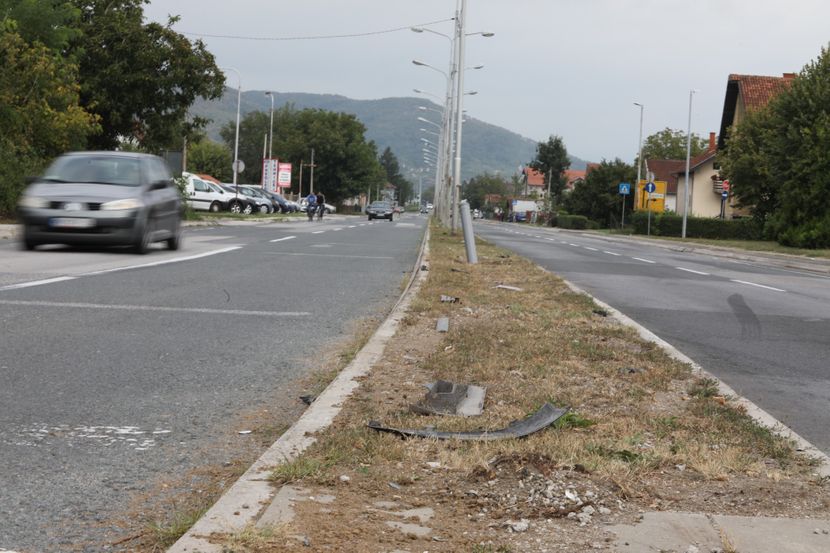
{"x": 565, "y": 67}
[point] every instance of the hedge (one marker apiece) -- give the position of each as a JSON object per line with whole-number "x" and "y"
{"x": 670, "y": 224}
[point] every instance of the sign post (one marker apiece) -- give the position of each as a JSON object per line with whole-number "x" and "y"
{"x": 649, "y": 189}
{"x": 625, "y": 190}
{"x": 723, "y": 197}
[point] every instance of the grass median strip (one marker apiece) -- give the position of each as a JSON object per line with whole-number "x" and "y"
{"x": 643, "y": 432}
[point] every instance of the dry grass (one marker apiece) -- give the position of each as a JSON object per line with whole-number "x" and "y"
{"x": 544, "y": 343}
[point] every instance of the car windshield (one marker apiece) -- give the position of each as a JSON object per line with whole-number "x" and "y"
{"x": 120, "y": 171}
{"x": 380, "y": 205}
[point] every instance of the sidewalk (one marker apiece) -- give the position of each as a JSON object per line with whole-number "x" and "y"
{"x": 651, "y": 457}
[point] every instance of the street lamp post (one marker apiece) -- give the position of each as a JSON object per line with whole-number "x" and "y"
{"x": 688, "y": 158}
{"x": 459, "y": 101}
{"x": 639, "y": 159}
{"x": 236, "y": 136}
{"x": 271, "y": 129}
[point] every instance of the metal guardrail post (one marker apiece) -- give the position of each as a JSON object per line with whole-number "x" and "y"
{"x": 469, "y": 237}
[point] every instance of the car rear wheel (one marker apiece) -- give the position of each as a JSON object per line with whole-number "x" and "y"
{"x": 235, "y": 207}
{"x": 264, "y": 209}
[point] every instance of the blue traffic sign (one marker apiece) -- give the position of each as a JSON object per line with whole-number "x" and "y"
{"x": 650, "y": 187}
{"x": 724, "y": 194}
{"x": 625, "y": 188}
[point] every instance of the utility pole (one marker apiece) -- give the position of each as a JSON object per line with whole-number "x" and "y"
{"x": 300, "y": 191}
{"x": 311, "y": 185}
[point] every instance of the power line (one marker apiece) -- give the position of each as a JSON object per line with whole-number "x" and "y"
{"x": 319, "y": 37}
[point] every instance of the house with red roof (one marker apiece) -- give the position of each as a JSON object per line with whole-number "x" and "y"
{"x": 534, "y": 182}
{"x": 744, "y": 94}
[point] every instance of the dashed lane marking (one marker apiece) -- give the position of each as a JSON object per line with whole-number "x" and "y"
{"x": 159, "y": 308}
{"x": 611, "y": 253}
{"x": 284, "y": 239}
{"x": 758, "y": 285}
{"x": 644, "y": 260}
{"x": 591, "y": 249}
{"x": 692, "y": 271}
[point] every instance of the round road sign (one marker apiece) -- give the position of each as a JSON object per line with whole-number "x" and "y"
{"x": 650, "y": 187}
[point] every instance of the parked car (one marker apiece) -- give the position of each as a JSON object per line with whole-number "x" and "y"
{"x": 294, "y": 206}
{"x": 200, "y": 195}
{"x": 237, "y": 201}
{"x": 280, "y": 201}
{"x": 102, "y": 198}
{"x": 380, "y": 210}
{"x": 271, "y": 205}
{"x": 259, "y": 203}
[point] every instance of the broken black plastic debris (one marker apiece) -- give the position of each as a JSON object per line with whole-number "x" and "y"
{"x": 308, "y": 400}
{"x": 600, "y": 312}
{"x": 544, "y": 417}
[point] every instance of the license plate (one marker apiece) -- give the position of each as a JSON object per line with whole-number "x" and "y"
{"x": 71, "y": 222}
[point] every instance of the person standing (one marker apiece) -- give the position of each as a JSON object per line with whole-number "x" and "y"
{"x": 321, "y": 205}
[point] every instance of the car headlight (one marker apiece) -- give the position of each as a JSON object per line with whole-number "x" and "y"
{"x": 122, "y": 205}
{"x": 33, "y": 202}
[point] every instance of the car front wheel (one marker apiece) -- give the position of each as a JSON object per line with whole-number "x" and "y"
{"x": 215, "y": 207}
{"x": 235, "y": 207}
{"x": 26, "y": 242}
{"x": 142, "y": 246}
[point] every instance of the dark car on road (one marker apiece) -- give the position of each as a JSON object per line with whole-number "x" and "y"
{"x": 380, "y": 210}
{"x": 102, "y": 198}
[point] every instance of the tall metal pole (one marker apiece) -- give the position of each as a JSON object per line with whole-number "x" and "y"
{"x": 236, "y": 139}
{"x": 300, "y": 188}
{"x": 271, "y": 129}
{"x": 311, "y": 185}
{"x": 688, "y": 158}
{"x": 459, "y": 101}
{"x": 639, "y": 160}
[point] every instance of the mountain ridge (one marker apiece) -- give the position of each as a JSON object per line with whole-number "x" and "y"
{"x": 391, "y": 122}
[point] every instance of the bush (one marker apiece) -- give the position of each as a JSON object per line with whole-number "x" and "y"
{"x": 578, "y": 222}
{"x": 670, "y": 224}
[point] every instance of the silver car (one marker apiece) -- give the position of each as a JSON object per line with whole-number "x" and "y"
{"x": 102, "y": 198}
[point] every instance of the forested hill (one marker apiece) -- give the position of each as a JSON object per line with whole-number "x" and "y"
{"x": 392, "y": 122}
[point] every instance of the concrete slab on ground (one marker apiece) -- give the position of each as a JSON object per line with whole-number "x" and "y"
{"x": 669, "y": 532}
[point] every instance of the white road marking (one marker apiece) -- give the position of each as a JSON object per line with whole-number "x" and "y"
{"x": 362, "y": 225}
{"x": 574, "y": 245}
{"x": 692, "y": 271}
{"x": 318, "y": 232}
{"x": 283, "y": 239}
{"x": 352, "y": 226}
{"x": 163, "y": 261}
{"x": 643, "y": 260}
{"x": 115, "y": 270}
{"x": 337, "y": 229}
{"x": 592, "y": 249}
{"x": 611, "y": 253}
{"x": 162, "y": 308}
{"x": 758, "y": 285}
{"x": 37, "y": 283}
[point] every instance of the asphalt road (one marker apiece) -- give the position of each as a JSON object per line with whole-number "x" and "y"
{"x": 765, "y": 331}
{"x": 119, "y": 370}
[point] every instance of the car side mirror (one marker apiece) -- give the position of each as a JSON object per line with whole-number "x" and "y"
{"x": 159, "y": 185}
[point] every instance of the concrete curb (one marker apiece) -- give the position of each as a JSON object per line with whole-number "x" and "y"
{"x": 249, "y": 497}
{"x": 755, "y": 412}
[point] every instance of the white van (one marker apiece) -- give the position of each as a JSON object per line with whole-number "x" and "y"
{"x": 202, "y": 196}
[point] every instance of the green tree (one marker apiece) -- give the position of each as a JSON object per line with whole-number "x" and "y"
{"x": 208, "y": 157}
{"x": 139, "y": 78}
{"x": 598, "y": 197}
{"x": 475, "y": 189}
{"x": 39, "y": 112}
{"x": 552, "y": 160}
{"x": 746, "y": 162}
{"x": 345, "y": 163}
{"x": 52, "y": 23}
{"x": 390, "y": 165}
{"x": 671, "y": 144}
{"x": 778, "y": 160}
